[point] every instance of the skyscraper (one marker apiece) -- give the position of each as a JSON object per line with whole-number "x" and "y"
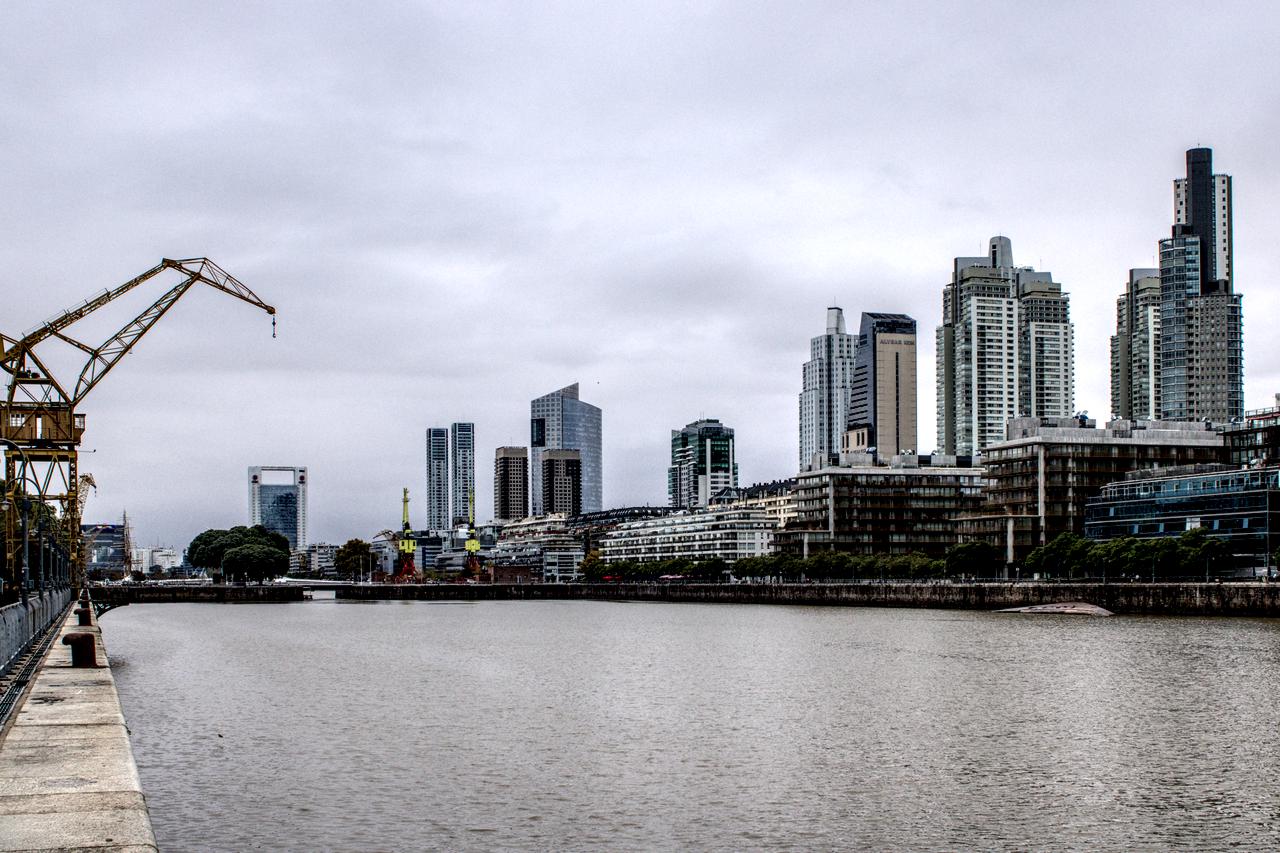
{"x": 828, "y": 387}
{"x": 462, "y": 470}
{"x": 1005, "y": 348}
{"x": 438, "y": 479}
{"x": 278, "y": 501}
{"x": 1135, "y": 349}
{"x": 883, "y": 398}
{"x": 562, "y": 482}
{"x": 510, "y": 483}
{"x": 702, "y": 463}
{"x": 560, "y": 421}
{"x": 1201, "y": 316}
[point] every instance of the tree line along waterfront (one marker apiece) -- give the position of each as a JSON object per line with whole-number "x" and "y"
{"x": 254, "y": 554}
{"x": 1192, "y": 555}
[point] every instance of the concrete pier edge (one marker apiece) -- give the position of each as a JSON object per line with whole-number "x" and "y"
{"x": 68, "y": 780}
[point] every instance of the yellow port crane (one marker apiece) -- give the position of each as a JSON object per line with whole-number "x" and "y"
{"x": 39, "y": 417}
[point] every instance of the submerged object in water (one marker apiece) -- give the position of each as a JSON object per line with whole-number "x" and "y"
{"x": 1067, "y": 608}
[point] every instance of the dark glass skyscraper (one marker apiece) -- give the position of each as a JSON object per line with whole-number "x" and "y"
{"x": 702, "y": 463}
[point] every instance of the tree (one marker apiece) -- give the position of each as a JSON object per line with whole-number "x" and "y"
{"x": 1067, "y": 554}
{"x": 980, "y": 559}
{"x": 353, "y": 558}
{"x": 209, "y": 549}
{"x": 254, "y": 561}
{"x": 593, "y": 567}
{"x": 1116, "y": 558}
{"x": 1202, "y": 554}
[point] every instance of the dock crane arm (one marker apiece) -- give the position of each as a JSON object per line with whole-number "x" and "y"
{"x": 106, "y": 355}
{"x": 197, "y": 269}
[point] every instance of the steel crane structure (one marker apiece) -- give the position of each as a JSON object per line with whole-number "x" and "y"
{"x": 40, "y": 411}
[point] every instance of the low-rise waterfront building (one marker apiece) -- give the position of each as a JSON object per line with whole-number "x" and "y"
{"x": 1239, "y": 506}
{"x": 725, "y": 533}
{"x": 777, "y": 498}
{"x": 543, "y": 547}
{"x": 1255, "y": 439}
{"x": 316, "y": 560}
{"x": 157, "y": 558}
{"x": 107, "y": 552}
{"x": 906, "y": 506}
{"x": 1040, "y": 479}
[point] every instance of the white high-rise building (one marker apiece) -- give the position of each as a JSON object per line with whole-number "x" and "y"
{"x": 1135, "y": 349}
{"x": 438, "y": 479}
{"x": 1005, "y": 349}
{"x": 828, "y": 390}
{"x": 462, "y": 470}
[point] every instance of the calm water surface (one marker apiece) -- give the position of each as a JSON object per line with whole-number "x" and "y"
{"x": 346, "y": 726}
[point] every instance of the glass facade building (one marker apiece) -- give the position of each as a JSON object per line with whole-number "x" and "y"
{"x": 702, "y": 463}
{"x": 280, "y": 507}
{"x": 1241, "y": 507}
{"x": 561, "y": 421}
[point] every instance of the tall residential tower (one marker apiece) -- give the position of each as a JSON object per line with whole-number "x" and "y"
{"x": 882, "y": 406}
{"x": 828, "y": 389}
{"x": 510, "y": 483}
{"x": 1201, "y": 316}
{"x": 702, "y": 463}
{"x": 438, "y": 479}
{"x": 1135, "y": 349}
{"x": 462, "y": 471}
{"x": 1005, "y": 348}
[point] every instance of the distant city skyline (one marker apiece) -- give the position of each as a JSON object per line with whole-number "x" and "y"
{"x": 658, "y": 205}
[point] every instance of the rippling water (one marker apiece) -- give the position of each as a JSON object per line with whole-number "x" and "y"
{"x": 351, "y": 726}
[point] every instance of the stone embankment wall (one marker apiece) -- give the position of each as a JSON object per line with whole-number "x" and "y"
{"x": 21, "y": 621}
{"x": 140, "y": 594}
{"x": 1173, "y": 599}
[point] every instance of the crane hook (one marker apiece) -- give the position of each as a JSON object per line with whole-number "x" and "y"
{"x": 273, "y": 326}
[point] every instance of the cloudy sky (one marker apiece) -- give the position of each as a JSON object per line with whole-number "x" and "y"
{"x": 458, "y": 207}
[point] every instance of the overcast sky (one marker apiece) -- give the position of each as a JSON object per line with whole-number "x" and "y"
{"x": 458, "y": 207}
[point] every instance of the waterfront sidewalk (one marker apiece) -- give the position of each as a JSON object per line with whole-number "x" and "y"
{"x": 67, "y": 775}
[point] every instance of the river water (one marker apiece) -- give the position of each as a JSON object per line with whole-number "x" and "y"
{"x": 346, "y": 726}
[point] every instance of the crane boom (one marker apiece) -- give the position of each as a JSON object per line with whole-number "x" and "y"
{"x": 197, "y": 269}
{"x": 38, "y": 413}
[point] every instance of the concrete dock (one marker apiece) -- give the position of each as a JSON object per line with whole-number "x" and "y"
{"x": 67, "y": 775}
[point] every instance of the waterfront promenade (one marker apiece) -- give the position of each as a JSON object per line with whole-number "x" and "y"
{"x": 67, "y": 775}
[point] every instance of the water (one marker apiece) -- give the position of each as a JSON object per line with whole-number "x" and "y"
{"x": 344, "y": 726}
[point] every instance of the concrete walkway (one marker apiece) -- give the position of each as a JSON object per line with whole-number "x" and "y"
{"x": 67, "y": 776}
